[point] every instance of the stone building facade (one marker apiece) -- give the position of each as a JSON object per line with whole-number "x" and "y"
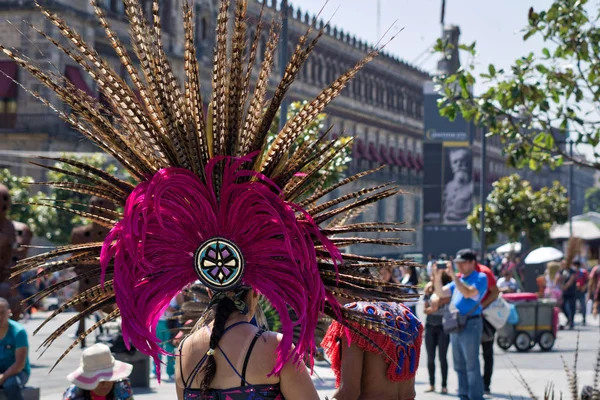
{"x": 382, "y": 108}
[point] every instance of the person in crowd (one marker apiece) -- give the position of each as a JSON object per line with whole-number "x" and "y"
{"x": 467, "y": 292}
{"x": 566, "y": 280}
{"x": 14, "y": 354}
{"x": 435, "y": 337}
{"x": 594, "y": 289}
{"x": 581, "y": 284}
{"x": 99, "y": 377}
{"x": 163, "y": 333}
{"x": 8, "y": 246}
{"x": 507, "y": 283}
{"x": 93, "y": 232}
{"x": 386, "y": 274}
{"x": 383, "y": 371}
{"x": 410, "y": 278}
{"x": 430, "y": 262}
{"x": 487, "y": 336}
{"x": 553, "y": 290}
{"x": 226, "y": 357}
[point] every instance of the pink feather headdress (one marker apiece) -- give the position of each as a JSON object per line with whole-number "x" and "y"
{"x": 210, "y": 196}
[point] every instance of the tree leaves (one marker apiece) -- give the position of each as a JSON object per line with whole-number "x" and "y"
{"x": 514, "y": 208}
{"x": 550, "y": 93}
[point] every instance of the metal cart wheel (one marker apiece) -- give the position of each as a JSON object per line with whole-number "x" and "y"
{"x": 504, "y": 342}
{"x": 546, "y": 341}
{"x": 523, "y": 341}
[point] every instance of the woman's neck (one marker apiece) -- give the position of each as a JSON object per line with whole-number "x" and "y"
{"x": 237, "y": 317}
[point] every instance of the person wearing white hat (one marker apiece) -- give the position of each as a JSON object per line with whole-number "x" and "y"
{"x": 99, "y": 377}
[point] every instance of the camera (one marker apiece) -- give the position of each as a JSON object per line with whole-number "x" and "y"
{"x": 441, "y": 264}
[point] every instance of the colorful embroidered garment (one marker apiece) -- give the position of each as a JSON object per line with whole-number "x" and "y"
{"x": 251, "y": 392}
{"x": 401, "y": 342}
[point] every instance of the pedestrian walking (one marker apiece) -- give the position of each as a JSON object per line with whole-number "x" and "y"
{"x": 594, "y": 289}
{"x": 566, "y": 280}
{"x": 466, "y": 294}
{"x": 163, "y": 333}
{"x": 435, "y": 337}
{"x": 410, "y": 278}
{"x": 581, "y": 283}
{"x": 487, "y": 336}
{"x": 507, "y": 283}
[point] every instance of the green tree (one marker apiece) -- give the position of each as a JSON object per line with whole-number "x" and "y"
{"x": 545, "y": 97}
{"x": 58, "y": 229}
{"x": 514, "y": 208}
{"x": 22, "y": 210}
{"x": 592, "y": 200}
{"x": 335, "y": 170}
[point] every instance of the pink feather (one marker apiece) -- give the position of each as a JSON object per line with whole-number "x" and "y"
{"x": 169, "y": 216}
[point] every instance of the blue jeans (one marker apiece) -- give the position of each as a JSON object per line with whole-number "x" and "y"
{"x": 465, "y": 351}
{"x": 12, "y": 386}
{"x": 569, "y": 308}
{"x": 582, "y": 300}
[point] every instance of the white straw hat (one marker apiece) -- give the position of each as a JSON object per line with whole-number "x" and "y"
{"x": 98, "y": 365}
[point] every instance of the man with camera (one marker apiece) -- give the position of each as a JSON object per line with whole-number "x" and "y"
{"x": 464, "y": 321}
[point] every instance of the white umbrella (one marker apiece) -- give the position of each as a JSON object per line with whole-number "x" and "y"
{"x": 543, "y": 255}
{"x": 509, "y": 248}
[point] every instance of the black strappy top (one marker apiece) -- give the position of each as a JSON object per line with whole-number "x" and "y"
{"x": 245, "y": 391}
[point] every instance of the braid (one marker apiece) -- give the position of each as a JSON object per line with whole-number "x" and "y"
{"x": 224, "y": 308}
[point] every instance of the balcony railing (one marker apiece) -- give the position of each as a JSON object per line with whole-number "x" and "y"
{"x": 36, "y": 123}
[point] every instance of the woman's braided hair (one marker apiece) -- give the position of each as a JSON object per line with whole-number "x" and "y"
{"x": 224, "y": 308}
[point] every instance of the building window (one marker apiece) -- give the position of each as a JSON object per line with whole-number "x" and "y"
{"x": 166, "y": 16}
{"x": 417, "y": 214}
{"x": 8, "y": 94}
{"x": 204, "y": 28}
{"x": 117, "y": 6}
{"x": 381, "y": 210}
{"x": 400, "y": 209}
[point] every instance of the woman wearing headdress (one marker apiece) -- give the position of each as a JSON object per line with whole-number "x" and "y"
{"x": 214, "y": 200}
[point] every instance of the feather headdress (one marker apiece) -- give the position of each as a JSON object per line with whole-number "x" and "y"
{"x": 211, "y": 200}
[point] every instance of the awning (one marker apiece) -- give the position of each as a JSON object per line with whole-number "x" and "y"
{"x": 8, "y": 76}
{"x": 74, "y": 75}
{"x": 373, "y": 153}
{"x": 586, "y": 230}
{"x": 410, "y": 161}
{"x": 400, "y": 161}
{"x": 419, "y": 162}
{"x": 383, "y": 154}
{"x": 360, "y": 149}
{"x": 392, "y": 156}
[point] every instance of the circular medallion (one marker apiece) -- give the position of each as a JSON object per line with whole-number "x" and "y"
{"x": 219, "y": 264}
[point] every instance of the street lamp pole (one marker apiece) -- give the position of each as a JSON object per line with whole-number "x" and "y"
{"x": 571, "y": 191}
{"x": 284, "y": 58}
{"x": 482, "y": 194}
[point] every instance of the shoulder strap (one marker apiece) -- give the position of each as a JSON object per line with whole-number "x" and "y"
{"x": 198, "y": 366}
{"x": 248, "y": 354}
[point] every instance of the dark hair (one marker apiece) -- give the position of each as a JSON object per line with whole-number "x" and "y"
{"x": 224, "y": 308}
{"x": 446, "y": 278}
{"x": 414, "y": 277}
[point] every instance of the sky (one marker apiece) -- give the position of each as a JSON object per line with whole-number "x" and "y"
{"x": 494, "y": 25}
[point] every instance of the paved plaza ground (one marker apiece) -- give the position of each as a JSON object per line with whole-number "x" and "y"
{"x": 536, "y": 367}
